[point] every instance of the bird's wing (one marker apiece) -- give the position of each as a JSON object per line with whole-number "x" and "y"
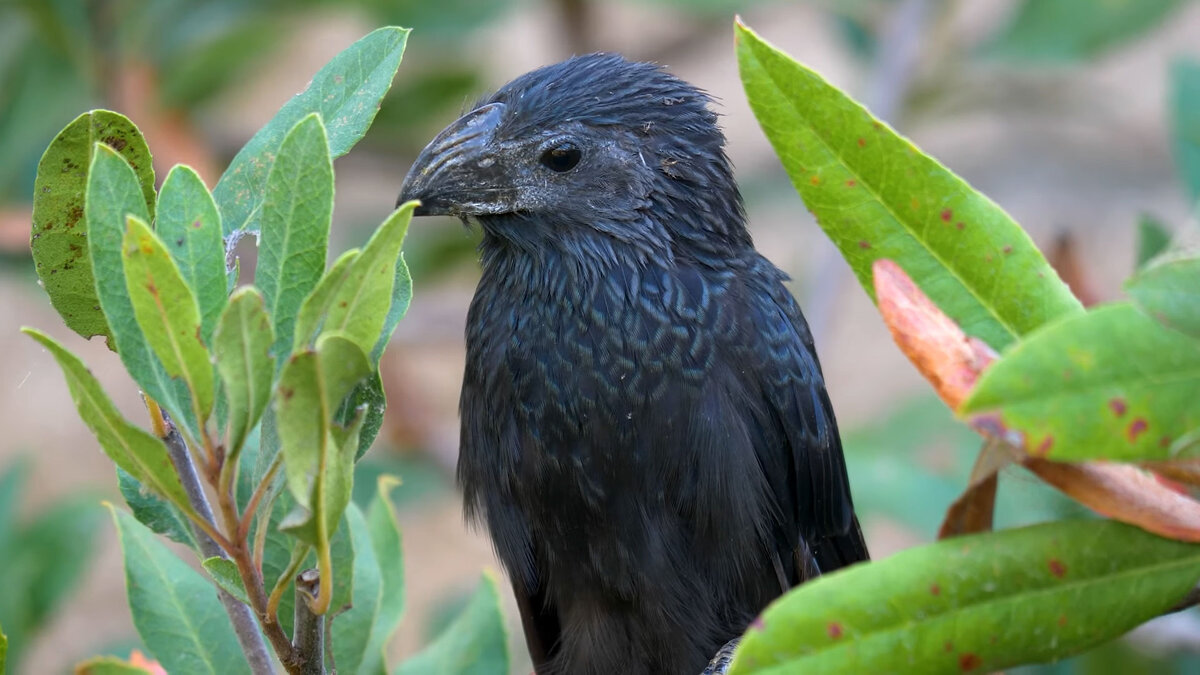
{"x": 814, "y": 491}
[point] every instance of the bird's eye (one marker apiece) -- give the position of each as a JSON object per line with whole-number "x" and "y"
{"x": 562, "y": 157}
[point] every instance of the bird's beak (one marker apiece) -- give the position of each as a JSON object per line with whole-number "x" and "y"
{"x": 459, "y": 173}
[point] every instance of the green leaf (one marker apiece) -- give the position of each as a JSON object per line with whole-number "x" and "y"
{"x": 1153, "y": 239}
{"x": 161, "y": 516}
{"x": 316, "y": 305}
{"x": 877, "y": 196}
{"x": 1111, "y": 383}
{"x": 175, "y": 609}
{"x": 296, "y": 210}
{"x": 310, "y": 391}
{"x": 1071, "y": 30}
{"x": 189, "y": 224}
{"x": 224, "y": 573}
{"x": 108, "y": 665}
{"x": 167, "y": 312}
{"x": 401, "y": 298}
{"x": 974, "y": 604}
{"x": 143, "y": 455}
{"x": 369, "y": 395}
{"x": 386, "y": 542}
{"x": 59, "y": 238}
{"x": 3, "y": 651}
{"x": 346, "y": 93}
{"x": 474, "y": 644}
{"x": 113, "y": 193}
{"x": 353, "y": 629}
{"x": 242, "y": 344}
{"x": 1170, "y": 292}
{"x": 360, "y": 304}
{"x": 1185, "y": 124}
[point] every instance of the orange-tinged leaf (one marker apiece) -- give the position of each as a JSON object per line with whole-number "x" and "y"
{"x": 1124, "y": 492}
{"x": 940, "y": 350}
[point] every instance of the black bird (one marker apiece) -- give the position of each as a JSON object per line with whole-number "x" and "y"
{"x": 645, "y": 428}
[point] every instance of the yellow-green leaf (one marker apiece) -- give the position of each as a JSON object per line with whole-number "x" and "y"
{"x": 167, "y": 311}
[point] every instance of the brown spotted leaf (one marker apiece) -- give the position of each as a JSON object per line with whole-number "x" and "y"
{"x": 974, "y": 604}
{"x": 1109, "y": 384}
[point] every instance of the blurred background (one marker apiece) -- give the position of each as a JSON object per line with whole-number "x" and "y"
{"x": 1060, "y": 110}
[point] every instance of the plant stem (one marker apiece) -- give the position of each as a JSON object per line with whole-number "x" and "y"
{"x": 263, "y": 487}
{"x": 244, "y": 625}
{"x": 309, "y": 628}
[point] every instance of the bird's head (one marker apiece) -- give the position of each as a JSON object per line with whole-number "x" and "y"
{"x": 621, "y": 152}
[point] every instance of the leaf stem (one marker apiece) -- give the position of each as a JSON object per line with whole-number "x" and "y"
{"x": 211, "y": 543}
{"x": 298, "y": 556}
{"x": 263, "y": 487}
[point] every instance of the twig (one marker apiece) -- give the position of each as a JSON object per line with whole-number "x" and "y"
{"x": 309, "y": 627}
{"x": 241, "y": 616}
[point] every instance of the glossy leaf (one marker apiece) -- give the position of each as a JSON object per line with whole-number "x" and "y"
{"x": 386, "y": 542}
{"x": 242, "y": 345}
{"x": 113, "y": 194}
{"x": 975, "y": 603}
{"x": 296, "y": 209}
{"x": 877, "y": 196}
{"x": 367, "y": 395}
{"x": 1072, "y": 30}
{"x": 167, "y": 312}
{"x": 59, "y": 237}
{"x": 1170, "y": 292}
{"x": 352, "y": 630}
{"x": 1111, "y": 384}
{"x": 474, "y": 644}
{"x": 314, "y": 308}
{"x": 224, "y": 573}
{"x": 346, "y": 93}
{"x": 189, "y": 224}
{"x": 161, "y": 516}
{"x": 360, "y": 304}
{"x": 1185, "y": 124}
{"x": 175, "y": 609}
{"x": 143, "y": 455}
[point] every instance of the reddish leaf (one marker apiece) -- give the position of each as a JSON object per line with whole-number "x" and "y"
{"x": 940, "y": 350}
{"x": 1124, "y": 492}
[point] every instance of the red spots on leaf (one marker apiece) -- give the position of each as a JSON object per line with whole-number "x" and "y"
{"x": 988, "y": 257}
{"x": 1067, "y": 374}
{"x": 992, "y": 639}
{"x": 947, "y": 214}
{"x": 1057, "y": 568}
{"x": 862, "y": 142}
{"x": 948, "y": 647}
{"x": 877, "y": 126}
{"x": 835, "y": 630}
{"x": 851, "y": 183}
{"x": 914, "y": 204}
{"x": 152, "y": 288}
{"x": 287, "y": 392}
{"x": 1118, "y": 406}
{"x": 1062, "y": 619}
{"x": 1164, "y": 442}
{"x": 1136, "y": 428}
{"x": 343, "y": 303}
{"x": 1007, "y": 249}
{"x": 815, "y": 180}
{"x": 864, "y": 244}
{"x": 196, "y": 224}
{"x": 959, "y": 225}
{"x": 1044, "y": 447}
{"x": 968, "y": 662}
{"x": 934, "y": 589}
